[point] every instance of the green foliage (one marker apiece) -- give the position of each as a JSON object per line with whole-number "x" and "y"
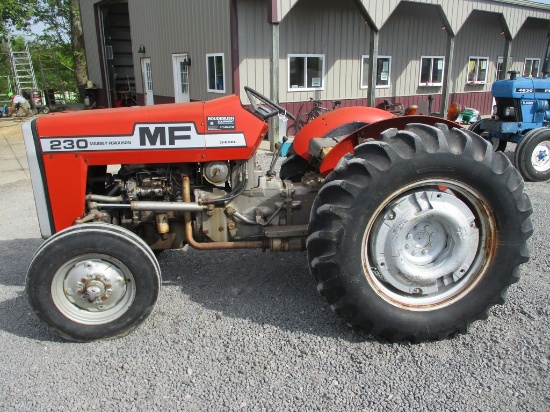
{"x": 15, "y": 14}
{"x": 56, "y": 50}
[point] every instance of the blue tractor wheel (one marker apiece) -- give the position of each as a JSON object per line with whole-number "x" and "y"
{"x": 532, "y": 155}
{"x": 499, "y": 145}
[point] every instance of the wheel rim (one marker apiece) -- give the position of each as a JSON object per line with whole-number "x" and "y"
{"x": 428, "y": 245}
{"x": 540, "y": 158}
{"x": 93, "y": 289}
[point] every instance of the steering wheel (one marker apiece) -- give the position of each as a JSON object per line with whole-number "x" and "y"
{"x": 266, "y": 108}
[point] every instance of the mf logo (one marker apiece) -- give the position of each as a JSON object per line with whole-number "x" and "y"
{"x": 164, "y": 135}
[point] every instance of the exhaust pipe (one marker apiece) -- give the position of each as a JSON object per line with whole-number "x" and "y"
{"x": 546, "y": 65}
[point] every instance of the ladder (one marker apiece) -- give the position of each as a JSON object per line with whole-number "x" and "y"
{"x": 5, "y": 87}
{"x": 23, "y": 70}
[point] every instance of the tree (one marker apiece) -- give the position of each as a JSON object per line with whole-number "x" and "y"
{"x": 62, "y": 26}
{"x": 15, "y": 14}
{"x": 61, "y": 42}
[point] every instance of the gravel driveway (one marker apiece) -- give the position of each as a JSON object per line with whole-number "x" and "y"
{"x": 246, "y": 330}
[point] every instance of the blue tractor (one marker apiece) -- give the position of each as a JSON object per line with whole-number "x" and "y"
{"x": 521, "y": 115}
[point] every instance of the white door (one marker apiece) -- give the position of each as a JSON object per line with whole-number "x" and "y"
{"x": 147, "y": 80}
{"x": 180, "y": 64}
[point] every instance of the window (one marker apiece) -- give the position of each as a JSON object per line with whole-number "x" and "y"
{"x": 184, "y": 78}
{"x": 477, "y": 70}
{"x": 500, "y": 66}
{"x": 306, "y": 72}
{"x": 431, "y": 70}
{"x": 383, "y": 65}
{"x": 215, "y": 73}
{"x": 531, "y": 68}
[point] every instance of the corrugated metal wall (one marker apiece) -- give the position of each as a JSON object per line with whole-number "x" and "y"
{"x": 479, "y": 36}
{"x": 173, "y": 26}
{"x": 530, "y": 43}
{"x": 254, "y": 46}
{"x": 334, "y": 28}
{"x": 413, "y": 31}
{"x": 165, "y": 28}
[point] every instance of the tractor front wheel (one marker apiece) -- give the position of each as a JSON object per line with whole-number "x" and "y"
{"x": 532, "y": 155}
{"x": 417, "y": 235}
{"x": 92, "y": 282}
{"x": 499, "y": 145}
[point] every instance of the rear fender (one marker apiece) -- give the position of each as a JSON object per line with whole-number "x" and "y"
{"x": 329, "y": 121}
{"x": 373, "y": 131}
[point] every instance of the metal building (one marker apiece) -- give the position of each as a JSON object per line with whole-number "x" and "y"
{"x": 145, "y": 52}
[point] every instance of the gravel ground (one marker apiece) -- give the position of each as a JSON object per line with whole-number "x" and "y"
{"x": 246, "y": 330}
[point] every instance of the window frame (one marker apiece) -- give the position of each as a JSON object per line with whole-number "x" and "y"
{"x": 381, "y": 86}
{"x": 532, "y": 59}
{"x": 431, "y": 83}
{"x": 305, "y": 79}
{"x": 478, "y": 60}
{"x": 215, "y": 90}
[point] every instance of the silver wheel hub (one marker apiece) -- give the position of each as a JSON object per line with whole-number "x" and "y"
{"x": 94, "y": 285}
{"x": 540, "y": 158}
{"x": 426, "y": 240}
{"x": 93, "y": 289}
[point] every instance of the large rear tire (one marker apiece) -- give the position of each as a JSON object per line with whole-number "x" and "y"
{"x": 93, "y": 282}
{"x": 417, "y": 235}
{"x": 532, "y": 155}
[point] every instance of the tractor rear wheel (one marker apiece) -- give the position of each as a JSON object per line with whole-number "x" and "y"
{"x": 92, "y": 282}
{"x": 417, "y": 235}
{"x": 499, "y": 145}
{"x": 532, "y": 155}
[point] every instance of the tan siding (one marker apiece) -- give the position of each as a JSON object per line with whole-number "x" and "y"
{"x": 411, "y": 32}
{"x": 529, "y": 43}
{"x": 173, "y": 26}
{"x": 479, "y": 36}
{"x": 254, "y": 46}
{"x": 514, "y": 12}
{"x": 380, "y": 11}
{"x": 336, "y": 30}
{"x": 284, "y": 7}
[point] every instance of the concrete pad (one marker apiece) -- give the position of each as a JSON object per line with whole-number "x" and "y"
{"x": 9, "y": 165}
{"x": 12, "y": 176}
{"x": 6, "y": 153}
{"x": 19, "y": 149}
{"x": 23, "y": 162}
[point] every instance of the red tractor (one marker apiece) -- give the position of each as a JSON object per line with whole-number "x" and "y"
{"x": 413, "y": 226}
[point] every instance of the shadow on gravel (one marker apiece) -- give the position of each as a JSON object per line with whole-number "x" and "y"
{"x": 267, "y": 288}
{"x": 17, "y": 317}
{"x": 15, "y": 257}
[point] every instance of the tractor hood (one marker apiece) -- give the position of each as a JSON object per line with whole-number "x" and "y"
{"x": 183, "y": 131}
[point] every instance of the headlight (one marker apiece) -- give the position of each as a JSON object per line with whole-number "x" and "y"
{"x": 509, "y": 112}
{"x": 495, "y": 110}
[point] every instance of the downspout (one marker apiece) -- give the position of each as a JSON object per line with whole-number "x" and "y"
{"x": 447, "y": 83}
{"x": 273, "y": 19}
{"x": 373, "y": 57}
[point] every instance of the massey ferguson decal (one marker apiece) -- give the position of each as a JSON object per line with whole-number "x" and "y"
{"x": 146, "y": 137}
